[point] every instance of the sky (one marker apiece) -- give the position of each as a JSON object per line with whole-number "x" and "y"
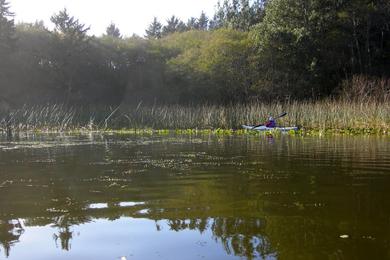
{"x": 130, "y": 16}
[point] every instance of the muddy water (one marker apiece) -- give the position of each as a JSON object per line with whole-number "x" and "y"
{"x": 194, "y": 197}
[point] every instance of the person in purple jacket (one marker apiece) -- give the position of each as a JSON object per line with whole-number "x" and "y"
{"x": 271, "y": 122}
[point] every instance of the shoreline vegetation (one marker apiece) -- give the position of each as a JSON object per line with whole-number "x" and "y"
{"x": 325, "y": 63}
{"x": 313, "y": 118}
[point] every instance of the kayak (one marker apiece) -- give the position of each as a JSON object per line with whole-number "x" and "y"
{"x": 264, "y": 128}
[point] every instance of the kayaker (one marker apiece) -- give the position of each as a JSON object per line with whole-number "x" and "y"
{"x": 271, "y": 122}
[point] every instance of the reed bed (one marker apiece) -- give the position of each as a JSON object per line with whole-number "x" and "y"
{"x": 320, "y": 115}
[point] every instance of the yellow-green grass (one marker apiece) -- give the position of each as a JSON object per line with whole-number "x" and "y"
{"x": 321, "y": 117}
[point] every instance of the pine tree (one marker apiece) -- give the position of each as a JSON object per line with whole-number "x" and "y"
{"x": 181, "y": 27}
{"x": 7, "y": 45}
{"x": 154, "y": 29}
{"x": 238, "y": 14}
{"x": 113, "y": 31}
{"x": 219, "y": 18}
{"x": 245, "y": 17}
{"x": 7, "y": 28}
{"x": 173, "y": 25}
{"x": 192, "y": 23}
{"x": 258, "y": 11}
{"x": 70, "y": 54}
{"x": 68, "y": 26}
{"x": 203, "y": 22}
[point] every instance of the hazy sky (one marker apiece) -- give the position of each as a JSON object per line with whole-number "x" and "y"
{"x": 131, "y": 16}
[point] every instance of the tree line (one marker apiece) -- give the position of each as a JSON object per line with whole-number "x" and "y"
{"x": 249, "y": 50}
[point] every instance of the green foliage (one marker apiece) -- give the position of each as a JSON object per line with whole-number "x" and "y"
{"x": 305, "y": 47}
{"x": 69, "y": 54}
{"x": 64, "y": 66}
{"x": 285, "y": 50}
{"x": 238, "y": 14}
{"x": 251, "y": 50}
{"x": 366, "y": 25}
{"x": 35, "y": 73}
{"x": 219, "y": 60}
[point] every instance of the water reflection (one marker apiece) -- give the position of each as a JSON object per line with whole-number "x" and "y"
{"x": 286, "y": 198}
{"x": 10, "y": 231}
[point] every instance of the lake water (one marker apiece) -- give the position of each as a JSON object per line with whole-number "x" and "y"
{"x": 194, "y": 197}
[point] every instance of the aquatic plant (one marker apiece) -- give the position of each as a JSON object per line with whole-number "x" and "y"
{"x": 322, "y": 117}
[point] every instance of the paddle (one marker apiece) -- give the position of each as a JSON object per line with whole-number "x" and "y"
{"x": 279, "y": 116}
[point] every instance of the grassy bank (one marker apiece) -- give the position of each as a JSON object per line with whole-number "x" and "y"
{"x": 323, "y": 116}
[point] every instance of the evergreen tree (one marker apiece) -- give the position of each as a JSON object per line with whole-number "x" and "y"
{"x": 203, "y": 22}
{"x": 7, "y": 28}
{"x": 219, "y": 18}
{"x": 113, "y": 31}
{"x": 307, "y": 47}
{"x": 238, "y": 14}
{"x": 245, "y": 18}
{"x": 68, "y": 26}
{"x": 154, "y": 29}
{"x": 181, "y": 27}
{"x": 69, "y": 52}
{"x": 257, "y": 9}
{"x": 233, "y": 14}
{"x": 7, "y": 45}
{"x": 192, "y": 23}
{"x": 173, "y": 25}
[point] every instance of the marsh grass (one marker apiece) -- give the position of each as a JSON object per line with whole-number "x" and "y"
{"x": 341, "y": 116}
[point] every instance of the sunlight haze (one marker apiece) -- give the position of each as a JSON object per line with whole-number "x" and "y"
{"x": 131, "y": 16}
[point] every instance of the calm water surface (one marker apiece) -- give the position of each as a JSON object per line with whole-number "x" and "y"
{"x": 194, "y": 197}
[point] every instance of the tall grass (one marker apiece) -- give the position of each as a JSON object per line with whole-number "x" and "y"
{"x": 321, "y": 115}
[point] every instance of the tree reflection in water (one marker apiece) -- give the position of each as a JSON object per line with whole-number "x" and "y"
{"x": 10, "y": 232}
{"x": 64, "y": 235}
{"x": 241, "y": 237}
{"x": 280, "y": 232}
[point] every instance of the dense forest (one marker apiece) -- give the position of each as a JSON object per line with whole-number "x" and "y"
{"x": 249, "y": 50}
